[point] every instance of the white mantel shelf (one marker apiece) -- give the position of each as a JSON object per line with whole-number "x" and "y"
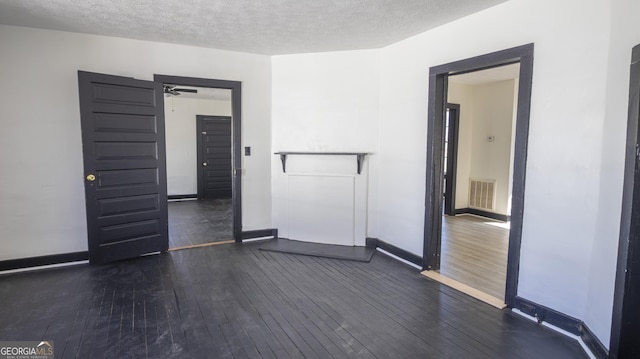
{"x": 359, "y": 157}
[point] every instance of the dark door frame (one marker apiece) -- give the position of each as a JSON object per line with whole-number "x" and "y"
{"x": 200, "y": 147}
{"x": 626, "y": 312}
{"x": 452, "y": 159}
{"x": 438, "y": 77}
{"x": 236, "y": 133}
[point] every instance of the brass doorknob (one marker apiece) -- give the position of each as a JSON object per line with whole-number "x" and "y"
{"x": 91, "y": 177}
{"x": 204, "y": 164}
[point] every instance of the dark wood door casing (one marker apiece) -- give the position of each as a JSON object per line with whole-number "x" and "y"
{"x": 236, "y": 114}
{"x": 438, "y": 83}
{"x": 625, "y": 324}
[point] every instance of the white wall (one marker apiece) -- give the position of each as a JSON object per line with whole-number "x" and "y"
{"x": 488, "y": 111}
{"x": 625, "y": 34}
{"x": 565, "y": 139}
{"x": 463, "y": 95}
{"x": 180, "y": 123}
{"x": 323, "y": 102}
{"x": 41, "y": 181}
{"x": 493, "y": 116}
{"x": 563, "y": 220}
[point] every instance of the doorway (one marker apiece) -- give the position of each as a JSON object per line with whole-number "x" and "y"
{"x": 475, "y": 223}
{"x": 438, "y": 90}
{"x": 207, "y": 219}
{"x": 124, "y": 154}
{"x": 199, "y": 170}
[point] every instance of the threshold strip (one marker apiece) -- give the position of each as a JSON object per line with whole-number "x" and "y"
{"x": 202, "y": 245}
{"x": 461, "y": 287}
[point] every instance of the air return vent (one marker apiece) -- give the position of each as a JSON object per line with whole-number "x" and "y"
{"x": 482, "y": 194}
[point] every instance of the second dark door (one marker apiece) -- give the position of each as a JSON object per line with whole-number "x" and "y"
{"x": 214, "y": 157}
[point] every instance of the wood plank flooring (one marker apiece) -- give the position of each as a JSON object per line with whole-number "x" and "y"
{"x": 474, "y": 252}
{"x": 200, "y": 221}
{"x": 234, "y": 301}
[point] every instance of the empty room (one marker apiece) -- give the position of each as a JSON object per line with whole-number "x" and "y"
{"x": 304, "y": 179}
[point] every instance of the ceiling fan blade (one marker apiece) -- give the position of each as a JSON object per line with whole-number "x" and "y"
{"x": 185, "y": 90}
{"x": 170, "y": 90}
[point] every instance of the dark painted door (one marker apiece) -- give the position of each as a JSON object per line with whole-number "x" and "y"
{"x": 625, "y": 328}
{"x": 123, "y": 145}
{"x": 450, "y": 162}
{"x": 214, "y": 157}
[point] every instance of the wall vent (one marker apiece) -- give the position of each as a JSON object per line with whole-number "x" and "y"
{"x": 482, "y": 194}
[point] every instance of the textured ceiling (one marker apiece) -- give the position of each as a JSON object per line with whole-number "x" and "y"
{"x": 265, "y": 27}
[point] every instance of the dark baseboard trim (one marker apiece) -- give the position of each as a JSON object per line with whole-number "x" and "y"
{"x": 29, "y": 262}
{"x": 593, "y": 343}
{"x": 271, "y": 232}
{"x": 479, "y": 212}
{"x": 565, "y": 322}
{"x": 182, "y": 196}
{"x": 399, "y": 252}
{"x": 544, "y": 314}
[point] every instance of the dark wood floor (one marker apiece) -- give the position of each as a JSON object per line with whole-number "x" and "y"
{"x": 199, "y": 222}
{"x": 234, "y": 301}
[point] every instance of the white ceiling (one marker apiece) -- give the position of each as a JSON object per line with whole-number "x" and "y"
{"x": 263, "y": 27}
{"x": 502, "y": 73}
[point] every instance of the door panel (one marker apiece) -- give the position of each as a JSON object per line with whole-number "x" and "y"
{"x": 124, "y": 232}
{"x": 128, "y": 205}
{"x": 123, "y": 144}
{"x": 214, "y": 144}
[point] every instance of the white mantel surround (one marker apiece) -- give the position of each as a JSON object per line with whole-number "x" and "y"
{"x": 323, "y": 199}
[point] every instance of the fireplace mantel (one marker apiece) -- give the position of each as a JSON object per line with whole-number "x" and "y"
{"x": 359, "y": 157}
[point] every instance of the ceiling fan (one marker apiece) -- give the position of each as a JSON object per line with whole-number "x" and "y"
{"x": 175, "y": 91}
